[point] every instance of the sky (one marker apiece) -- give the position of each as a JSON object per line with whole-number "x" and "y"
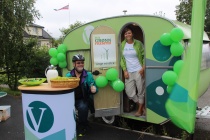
{"x": 90, "y": 10}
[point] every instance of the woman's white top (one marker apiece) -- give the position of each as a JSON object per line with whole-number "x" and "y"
{"x": 132, "y": 61}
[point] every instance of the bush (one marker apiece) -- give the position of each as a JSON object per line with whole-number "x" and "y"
{"x": 38, "y": 64}
{"x": 3, "y": 78}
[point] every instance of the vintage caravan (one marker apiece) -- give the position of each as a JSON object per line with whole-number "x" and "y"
{"x": 158, "y": 59}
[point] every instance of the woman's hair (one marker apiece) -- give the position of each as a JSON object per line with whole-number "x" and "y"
{"x": 127, "y": 29}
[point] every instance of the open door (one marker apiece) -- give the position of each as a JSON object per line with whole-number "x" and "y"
{"x": 104, "y": 55}
{"x": 129, "y": 106}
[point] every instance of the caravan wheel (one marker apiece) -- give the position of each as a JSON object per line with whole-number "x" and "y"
{"x": 108, "y": 119}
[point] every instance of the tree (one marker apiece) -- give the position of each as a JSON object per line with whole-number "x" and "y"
{"x": 56, "y": 42}
{"x": 14, "y": 16}
{"x": 184, "y": 13}
{"x": 65, "y": 31}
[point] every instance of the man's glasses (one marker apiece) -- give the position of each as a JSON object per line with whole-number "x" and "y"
{"x": 79, "y": 63}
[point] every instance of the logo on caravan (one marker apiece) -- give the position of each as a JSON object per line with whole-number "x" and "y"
{"x": 86, "y": 34}
{"x": 39, "y": 116}
{"x": 102, "y": 41}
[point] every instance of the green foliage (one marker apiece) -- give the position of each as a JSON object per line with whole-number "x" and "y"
{"x": 184, "y": 13}
{"x": 56, "y": 42}
{"x": 122, "y": 123}
{"x": 3, "y": 78}
{"x": 184, "y": 135}
{"x": 14, "y": 16}
{"x": 33, "y": 64}
{"x": 65, "y": 31}
{"x": 37, "y": 63}
{"x": 164, "y": 131}
{"x": 11, "y": 92}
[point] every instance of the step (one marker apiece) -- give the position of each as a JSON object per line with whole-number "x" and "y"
{"x": 203, "y": 112}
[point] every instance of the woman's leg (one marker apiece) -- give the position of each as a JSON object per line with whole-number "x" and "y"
{"x": 130, "y": 87}
{"x": 140, "y": 110}
{"x": 141, "y": 92}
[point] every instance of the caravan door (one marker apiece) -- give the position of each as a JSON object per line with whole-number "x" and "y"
{"x": 104, "y": 55}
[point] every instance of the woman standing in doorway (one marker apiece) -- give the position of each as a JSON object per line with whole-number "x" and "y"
{"x": 132, "y": 63}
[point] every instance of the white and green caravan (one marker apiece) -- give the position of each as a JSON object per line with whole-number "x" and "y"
{"x": 100, "y": 56}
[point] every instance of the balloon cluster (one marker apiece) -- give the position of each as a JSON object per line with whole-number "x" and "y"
{"x": 173, "y": 39}
{"x": 58, "y": 56}
{"x": 112, "y": 77}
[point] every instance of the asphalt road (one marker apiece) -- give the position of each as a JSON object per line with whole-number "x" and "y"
{"x": 202, "y": 125}
{"x": 12, "y": 129}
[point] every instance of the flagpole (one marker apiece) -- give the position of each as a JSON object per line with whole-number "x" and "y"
{"x": 69, "y": 15}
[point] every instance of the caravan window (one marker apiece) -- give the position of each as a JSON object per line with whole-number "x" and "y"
{"x": 85, "y": 53}
{"x": 205, "y": 62}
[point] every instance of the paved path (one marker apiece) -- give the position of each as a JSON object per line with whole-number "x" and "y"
{"x": 202, "y": 126}
{"x": 12, "y": 129}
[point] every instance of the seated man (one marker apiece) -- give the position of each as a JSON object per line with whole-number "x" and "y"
{"x": 83, "y": 93}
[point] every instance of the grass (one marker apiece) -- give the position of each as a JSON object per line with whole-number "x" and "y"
{"x": 184, "y": 135}
{"x": 11, "y": 92}
{"x": 123, "y": 123}
{"x": 168, "y": 129}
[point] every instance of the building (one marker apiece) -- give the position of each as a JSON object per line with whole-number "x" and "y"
{"x": 37, "y": 31}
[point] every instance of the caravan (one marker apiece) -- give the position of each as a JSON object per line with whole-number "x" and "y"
{"x": 99, "y": 41}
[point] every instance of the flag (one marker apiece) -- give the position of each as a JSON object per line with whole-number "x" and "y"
{"x": 63, "y": 8}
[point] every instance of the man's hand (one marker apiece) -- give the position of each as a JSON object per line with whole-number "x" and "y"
{"x": 93, "y": 89}
{"x": 126, "y": 75}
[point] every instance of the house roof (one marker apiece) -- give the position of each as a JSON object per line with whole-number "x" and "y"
{"x": 25, "y": 34}
{"x": 35, "y": 25}
{"x": 45, "y": 35}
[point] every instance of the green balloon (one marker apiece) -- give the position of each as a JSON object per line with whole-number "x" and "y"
{"x": 61, "y": 57}
{"x": 62, "y": 64}
{"x": 53, "y": 52}
{"x": 178, "y": 66}
{"x": 118, "y": 85}
{"x": 169, "y": 89}
{"x": 165, "y": 39}
{"x": 176, "y": 34}
{"x": 111, "y": 83}
{"x": 111, "y": 74}
{"x": 176, "y": 49}
{"x": 53, "y": 61}
{"x": 62, "y": 48}
{"x": 101, "y": 81}
{"x": 169, "y": 78}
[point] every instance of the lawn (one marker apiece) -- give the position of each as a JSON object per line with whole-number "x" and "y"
{"x": 10, "y": 92}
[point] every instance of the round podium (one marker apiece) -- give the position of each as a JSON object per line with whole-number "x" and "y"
{"x": 48, "y": 113}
